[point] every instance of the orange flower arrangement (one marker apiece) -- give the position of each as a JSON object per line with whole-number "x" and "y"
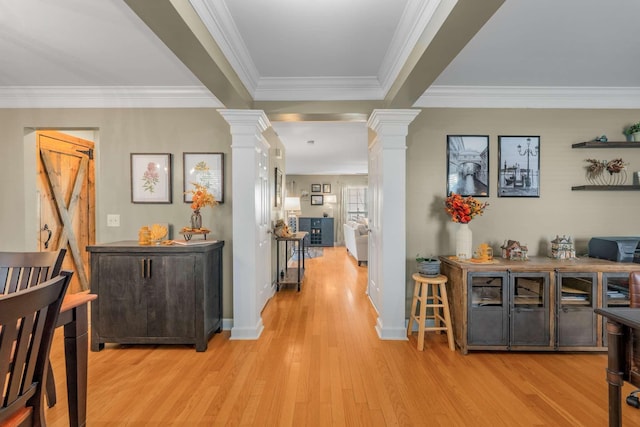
{"x": 463, "y": 209}
{"x": 201, "y": 197}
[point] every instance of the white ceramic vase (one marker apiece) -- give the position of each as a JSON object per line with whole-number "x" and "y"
{"x": 464, "y": 242}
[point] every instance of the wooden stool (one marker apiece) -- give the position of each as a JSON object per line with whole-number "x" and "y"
{"x": 437, "y": 301}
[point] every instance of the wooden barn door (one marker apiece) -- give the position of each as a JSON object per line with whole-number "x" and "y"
{"x": 67, "y": 200}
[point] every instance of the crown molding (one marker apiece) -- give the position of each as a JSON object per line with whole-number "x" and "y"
{"x": 319, "y": 89}
{"x": 107, "y": 97}
{"x": 414, "y": 20}
{"x": 216, "y": 17}
{"x": 529, "y": 97}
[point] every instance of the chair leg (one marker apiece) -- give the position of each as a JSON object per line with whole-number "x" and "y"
{"x": 50, "y": 387}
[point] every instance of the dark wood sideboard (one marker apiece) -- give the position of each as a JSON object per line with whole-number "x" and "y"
{"x": 156, "y": 294}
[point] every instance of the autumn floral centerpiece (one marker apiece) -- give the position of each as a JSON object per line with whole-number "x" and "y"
{"x": 463, "y": 209}
{"x": 200, "y": 197}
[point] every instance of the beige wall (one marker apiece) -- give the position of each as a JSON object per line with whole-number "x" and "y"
{"x": 530, "y": 220}
{"x": 120, "y": 132}
{"x": 534, "y": 221}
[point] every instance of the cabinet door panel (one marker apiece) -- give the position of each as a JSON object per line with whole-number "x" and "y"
{"x": 122, "y": 299}
{"x": 171, "y": 295}
{"x": 530, "y": 309}
{"x": 576, "y": 301}
{"x": 488, "y": 309}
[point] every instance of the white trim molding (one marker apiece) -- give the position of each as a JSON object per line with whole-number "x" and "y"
{"x": 107, "y": 97}
{"x": 319, "y": 89}
{"x": 529, "y": 97}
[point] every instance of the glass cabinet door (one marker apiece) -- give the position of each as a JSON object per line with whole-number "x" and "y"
{"x": 529, "y": 293}
{"x": 488, "y": 308}
{"x": 616, "y": 289}
{"x": 576, "y": 301}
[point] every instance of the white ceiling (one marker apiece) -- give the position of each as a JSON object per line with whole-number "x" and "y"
{"x": 540, "y": 53}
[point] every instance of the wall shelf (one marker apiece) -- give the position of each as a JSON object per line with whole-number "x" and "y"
{"x": 606, "y": 188}
{"x": 611, "y": 144}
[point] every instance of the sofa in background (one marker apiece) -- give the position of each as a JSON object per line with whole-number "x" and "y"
{"x": 356, "y": 240}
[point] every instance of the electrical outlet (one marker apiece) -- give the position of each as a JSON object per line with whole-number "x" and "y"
{"x": 113, "y": 220}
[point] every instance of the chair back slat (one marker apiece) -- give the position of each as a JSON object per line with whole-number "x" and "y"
{"x": 22, "y": 270}
{"x": 27, "y": 322}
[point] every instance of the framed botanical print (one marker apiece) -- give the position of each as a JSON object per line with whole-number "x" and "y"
{"x": 518, "y": 166}
{"x": 317, "y": 199}
{"x": 206, "y": 169}
{"x": 150, "y": 177}
{"x": 326, "y": 188}
{"x": 468, "y": 165}
{"x": 278, "y": 188}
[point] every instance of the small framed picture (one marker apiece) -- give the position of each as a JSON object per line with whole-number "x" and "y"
{"x": 278, "y": 189}
{"x": 468, "y": 165}
{"x": 206, "y": 169}
{"x": 317, "y": 199}
{"x": 150, "y": 177}
{"x": 518, "y": 166}
{"x": 326, "y": 188}
{"x": 316, "y": 188}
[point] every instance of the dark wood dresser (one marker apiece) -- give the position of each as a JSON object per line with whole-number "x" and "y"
{"x": 156, "y": 294}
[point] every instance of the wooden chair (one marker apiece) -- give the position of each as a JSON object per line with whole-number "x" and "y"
{"x": 634, "y": 289}
{"x": 22, "y": 270}
{"x": 27, "y": 322}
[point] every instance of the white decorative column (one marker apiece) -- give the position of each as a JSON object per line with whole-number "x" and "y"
{"x": 247, "y": 144}
{"x": 387, "y": 193}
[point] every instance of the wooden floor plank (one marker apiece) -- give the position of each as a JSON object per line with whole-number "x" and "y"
{"x": 319, "y": 362}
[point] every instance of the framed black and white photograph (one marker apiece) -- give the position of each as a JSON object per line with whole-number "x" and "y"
{"x": 150, "y": 177}
{"x": 518, "y": 166}
{"x": 326, "y": 188}
{"x": 317, "y": 200}
{"x": 468, "y": 165}
{"x": 316, "y": 188}
{"x": 206, "y": 169}
{"x": 278, "y": 188}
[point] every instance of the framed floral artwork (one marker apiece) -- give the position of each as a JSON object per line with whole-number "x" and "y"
{"x": 150, "y": 177}
{"x": 206, "y": 169}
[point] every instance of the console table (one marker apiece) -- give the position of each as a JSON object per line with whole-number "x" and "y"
{"x": 156, "y": 294}
{"x": 623, "y": 327}
{"x": 290, "y": 275}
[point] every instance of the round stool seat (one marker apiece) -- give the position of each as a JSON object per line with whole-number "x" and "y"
{"x": 430, "y": 292}
{"x": 436, "y": 280}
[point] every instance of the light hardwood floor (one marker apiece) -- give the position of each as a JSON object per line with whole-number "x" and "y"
{"x": 319, "y": 362}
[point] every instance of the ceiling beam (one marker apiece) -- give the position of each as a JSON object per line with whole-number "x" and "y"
{"x": 451, "y": 28}
{"x": 179, "y": 27}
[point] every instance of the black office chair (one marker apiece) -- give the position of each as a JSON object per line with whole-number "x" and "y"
{"x": 27, "y": 322}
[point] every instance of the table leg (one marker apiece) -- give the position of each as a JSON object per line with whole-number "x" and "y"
{"x": 615, "y": 371}
{"x": 76, "y": 341}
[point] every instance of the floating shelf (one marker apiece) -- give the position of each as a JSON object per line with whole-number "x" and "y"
{"x": 606, "y": 188}
{"x": 612, "y": 144}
